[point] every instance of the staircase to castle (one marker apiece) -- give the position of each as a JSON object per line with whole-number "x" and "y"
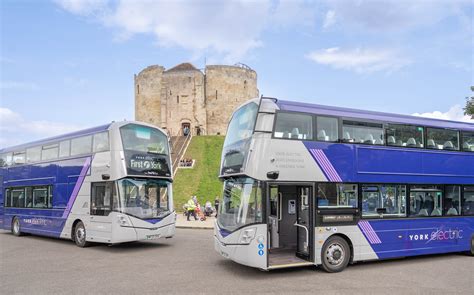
{"x": 179, "y": 145}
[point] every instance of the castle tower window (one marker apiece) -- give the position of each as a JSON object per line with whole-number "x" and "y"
{"x": 177, "y": 99}
{"x": 245, "y": 84}
{"x": 216, "y": 94}
{"x": 138, "y": 89}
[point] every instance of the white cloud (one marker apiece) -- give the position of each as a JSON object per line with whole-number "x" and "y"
{"x": 83, "y": 7}
{"x": 360, "y": 60}
{"x": 395, "y": 14}
{"x": 18, "y": 85}
{"x": 14, "y": 129}
{"x": 455, "y": 113}
{"x": 228, "y": 29}
{"x": 329, "y": 19}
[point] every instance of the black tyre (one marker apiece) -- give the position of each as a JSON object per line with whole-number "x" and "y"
{"x": 472, "y": 246}
{"x": 80, "y": 235}
{"x": 16, "y": 228}
{"x": 335, "y": 254}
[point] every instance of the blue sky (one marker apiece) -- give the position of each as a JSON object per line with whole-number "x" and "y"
{"x": 69, "y": 64}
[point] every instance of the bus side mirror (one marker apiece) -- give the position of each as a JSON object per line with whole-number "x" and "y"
{"x": 273, "y": 174}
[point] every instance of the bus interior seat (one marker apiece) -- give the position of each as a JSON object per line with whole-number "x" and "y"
{"x": 436, "y": 212}
{"x": 295, "y": 133}
{"x": 431, "y": 144}
{"x": 379, "y": 141}
{"x": 466, "y": 146}
{"x": 391, "y": 140}
{"x": 448, "y": 145}
{"x": 411, "y": 142}
{"x": 452, "y": 211}
{"x": 286, "y": 134}
{"x": 369, "y": 139}
{"x": 347, "y": 137}
{"x": 423, "y": 212}
{"x": 399, "y": 142}
{"x": 472, "y": 148}
{"x": 322, "y": 135}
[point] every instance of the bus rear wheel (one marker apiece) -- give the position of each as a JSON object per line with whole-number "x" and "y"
{"x": 80, "y": 235}
{"x": 16, "y": 229}
{"x": 335, "y": 254}
{"x": 472, "y": 247}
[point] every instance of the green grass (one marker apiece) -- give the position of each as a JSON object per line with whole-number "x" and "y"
{"x": 202, "y": 180}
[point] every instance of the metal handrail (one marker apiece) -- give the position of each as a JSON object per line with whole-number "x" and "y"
{"x": 307, "y": 234}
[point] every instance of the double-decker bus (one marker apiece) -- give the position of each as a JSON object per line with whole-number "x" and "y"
{"x": 108, "y": 184}
{"x": 307, "y": 184}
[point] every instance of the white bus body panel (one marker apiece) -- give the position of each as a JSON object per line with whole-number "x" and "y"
{"x": 247, "y": 254}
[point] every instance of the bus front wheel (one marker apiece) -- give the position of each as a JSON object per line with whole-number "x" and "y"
{"x": 16, "y": 229}
{"x": 335, "y": 254}
{"x": 80, "y": 235}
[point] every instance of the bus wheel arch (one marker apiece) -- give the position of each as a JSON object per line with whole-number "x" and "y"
{"x": 471, "y": 252}
{"x": 16, "y": 226}
{"x": 336, "y": 253}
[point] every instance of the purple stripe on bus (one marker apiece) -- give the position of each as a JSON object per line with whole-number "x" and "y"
{"x": 313, "y": 153}
{"x": 366, "y": 232}
{"x": 369, "y": 232}
{"x": 326, "y": 165}
{"x": 77, "y": 187}
{"x": 329, "y": 166}
{"x": 323, "y": 165}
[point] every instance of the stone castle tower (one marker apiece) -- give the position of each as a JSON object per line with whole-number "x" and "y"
{"x": 184, "y": 96}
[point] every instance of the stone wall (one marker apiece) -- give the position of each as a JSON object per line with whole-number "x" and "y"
{"x": 227, "y": 87}
{"x": 184, "y": 94}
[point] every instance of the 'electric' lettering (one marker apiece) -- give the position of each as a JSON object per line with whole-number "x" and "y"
{"x": 438, "y": 235}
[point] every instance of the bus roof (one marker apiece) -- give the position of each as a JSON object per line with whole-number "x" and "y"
{"x": 79, "y": 133}
{"x": 294, "y": 106}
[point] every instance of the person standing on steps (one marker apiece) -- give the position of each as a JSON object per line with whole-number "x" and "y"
{"x": 191, "y": 209}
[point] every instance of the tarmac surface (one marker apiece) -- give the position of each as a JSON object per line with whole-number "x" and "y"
{"x": 188, "y": 264}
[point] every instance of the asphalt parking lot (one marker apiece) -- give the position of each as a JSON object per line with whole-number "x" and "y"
{"x": 187, "y": 264}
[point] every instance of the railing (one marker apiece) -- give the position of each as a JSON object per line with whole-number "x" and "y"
{"x": 181, "y": 151}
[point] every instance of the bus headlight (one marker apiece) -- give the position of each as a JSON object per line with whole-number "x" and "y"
{"x": 247, "y": 235}
{"x": 123, "y": 220}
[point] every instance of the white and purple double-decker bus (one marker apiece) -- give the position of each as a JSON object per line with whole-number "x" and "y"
{"x": 108, "y": 184}
{"x": 307, "y": 184}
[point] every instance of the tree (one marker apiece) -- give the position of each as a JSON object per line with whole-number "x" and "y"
{"x": 469, "y": 109}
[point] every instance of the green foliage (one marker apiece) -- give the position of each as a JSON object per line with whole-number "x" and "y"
{"x": 202, "y": 180}
{"x": 469, "y": 109}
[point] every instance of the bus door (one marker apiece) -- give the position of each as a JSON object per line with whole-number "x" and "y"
{"x": 101, "y": 207}
{"x": 289, "y": 226}
{"x": 303, "y": 221}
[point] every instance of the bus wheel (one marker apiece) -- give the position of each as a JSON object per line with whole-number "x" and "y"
{"x": 472, "y": 246}
{"x": 335, "y": 254}
{"x": 80, "y": 235}
{"x": 16, "y": 230}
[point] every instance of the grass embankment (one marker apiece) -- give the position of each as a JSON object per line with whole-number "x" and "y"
{"x": 202, "y": 180}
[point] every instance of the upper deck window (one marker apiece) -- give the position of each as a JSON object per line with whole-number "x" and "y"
{"x": 242, "y": 124}
{"x": 101, "y": 142}
{"x": 6, "y": 159}
{"x": 144, "y": 139}
{"x": 362, "y": 132}
{"x": 50, "y": 152}
{"x": 81, "y": 145}
{"x": 404, "y": 135}
{"x": 327, "y": 128}
{"x": 33, "y": 154}
{"x": 294, "y": 126}
{"x": 468, "y": 141}
{"x": 19, "y": 157}
{"x": 442, "y": 139}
